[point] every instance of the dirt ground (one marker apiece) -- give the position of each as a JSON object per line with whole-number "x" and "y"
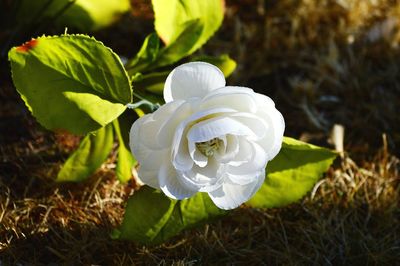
{"x": 323, "y": 62}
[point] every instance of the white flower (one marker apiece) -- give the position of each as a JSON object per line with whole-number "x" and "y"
{"x": 207, "y": 137}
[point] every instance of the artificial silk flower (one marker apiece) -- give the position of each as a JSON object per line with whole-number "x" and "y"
{"x": 207, "y": 137}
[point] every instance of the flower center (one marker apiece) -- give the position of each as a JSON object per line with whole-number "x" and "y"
{"x": 209, "y": 147}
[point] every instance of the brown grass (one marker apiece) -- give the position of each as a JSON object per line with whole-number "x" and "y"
{"x": 322, "y": 65}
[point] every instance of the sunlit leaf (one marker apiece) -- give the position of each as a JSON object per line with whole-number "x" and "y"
{"x": 90, "y": 155}
{"x": 85, "y": 15}
{"x": 185, "y": 25}
{"x": 183, "y": 45}
{"x": 70, "y": 82}
{"x": 151, "y": 217}
{"x": 171, "y": 16}
{"x": 292, "y": 173}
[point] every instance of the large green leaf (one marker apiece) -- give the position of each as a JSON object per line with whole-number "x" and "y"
{"x": 151, "y": 217}
{"x": 85, "y": 15}
{"x": 182, "y": 46}
{"x": 70, "y": 82}
{"x": 91, "y": 153}
{"x": 185, "y": 25}
{"x": 125, "y": 161}
{"x": 172, "y": 15}
{"x": 292, "y": 173}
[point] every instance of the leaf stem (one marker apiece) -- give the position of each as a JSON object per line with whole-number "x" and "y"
{"x": 153, "y": 107}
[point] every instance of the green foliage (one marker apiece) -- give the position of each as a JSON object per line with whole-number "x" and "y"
{"x": 125, "y": 161}
{"x": 70, "y": 82}
{"x": 183, "y": 45}
{"x": 184, "y": 26}
{"x": 292, "y": 173}
{"x": 153, "y": 82}
{"x": 151, "y": 217}
{"x": 91, "y": 153}
{"x": 146, "y": 56}
{"x": 171, "y": 18}
{"x": 85, "y": 15}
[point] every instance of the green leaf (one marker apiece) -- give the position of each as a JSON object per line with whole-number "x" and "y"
{"x": 171, "y": 17}
{"x": 153, "y": 82}
{"x": 184, "y": 26}
{"x": 125, "y": 161}
{"x": 223, "y": 62}
{"x": 182, "y": 46}
{"x": 85, "y": 15}
{"x": 91, "y": 153}
{"x": 292, "y": 173}
{"x": 147, "y": 55}
{"x": 172, "y": 53}
{"x": 151, "y": 217}
{"x": 70, "y": 82}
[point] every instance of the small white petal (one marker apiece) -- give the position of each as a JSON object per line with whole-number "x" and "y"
{"x": 230, "y": 195}
{"x": 239, "y": 98}
{"x": 181, "y": 158}
{"x": 231, "y": 149}
{"x": 167, "y": 129}
{"x": 170, "y": 185}
{"x": 149, "y": 178}
{"x": 252, "y": 121}
{"x": 146, "y": 129}
{"x": 193, "y": 79}
{"x": 198, "y": 158}
{"x": 264, "y": 101}
{"x": 244, "y": 154}
{"x": 135, "y": 143}
{"x": 272, "y": 141}
{"x": 204, "y": 178}
{"x": 256, "y": 162}
{"x": 216, "y": 127}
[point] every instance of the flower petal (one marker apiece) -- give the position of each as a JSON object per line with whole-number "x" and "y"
{"x": 216, "y": 127}
{"x": 257, "y": 161}
{"x": 180, "y": 142}
{"x": 193, "y": 79}
{"x": 136, "y": 145}
{"x": 244, "y": 153}
{"x": 230, "y": 195}
{"x": 149, "y": 178}
{"x": 170, "y": 185}
{"x": 239, "y": 98}
{"x": 204, "y": 179}
{"x": 230, "y": 151}
{"x": 198, "y": 158}
{"x": 246, "y": 172}
{"x": 272, "y": 141}
{"x": 252, "y": 121}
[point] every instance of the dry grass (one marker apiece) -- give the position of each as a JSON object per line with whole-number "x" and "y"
{"x": 324, "y": 62}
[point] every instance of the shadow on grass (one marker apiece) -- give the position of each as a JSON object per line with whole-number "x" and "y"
{"x": 295, "y": 235}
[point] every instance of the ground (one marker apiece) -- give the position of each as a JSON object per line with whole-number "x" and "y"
{"x": 323, "y": 62}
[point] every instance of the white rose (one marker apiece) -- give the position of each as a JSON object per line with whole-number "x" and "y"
{"x": 207, "y": 138}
